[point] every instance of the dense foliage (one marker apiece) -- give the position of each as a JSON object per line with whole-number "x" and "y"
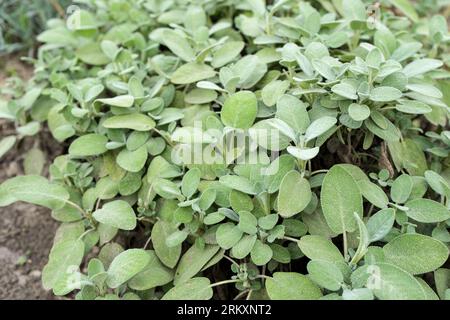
{"x": 345, "y": 104}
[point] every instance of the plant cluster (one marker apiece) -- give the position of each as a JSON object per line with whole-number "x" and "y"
{"x": 346, "y": 108}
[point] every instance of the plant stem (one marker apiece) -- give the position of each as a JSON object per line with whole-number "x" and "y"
{"x": 97, "y": 205}
{"x": 344, "y": 236}
{"x": 85, "y": 233}
{"x": 223, "y": 282}
{"x": 241, "y": 294}
{"x": 57, "y": 7}
{"x": 370, "y": 211}
{"x": 147, "y": 242}
{"x": 231, "y": 260}
{"x": 73, "y": 204}
{"x": 319, "y": 171}
{"x": 291, "y": 239}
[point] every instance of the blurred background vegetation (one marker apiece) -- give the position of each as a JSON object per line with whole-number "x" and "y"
{"x": 22, "y": 20}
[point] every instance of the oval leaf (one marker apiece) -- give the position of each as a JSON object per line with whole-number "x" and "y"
{"x": 117, "y": 214}
{"x": 416, "y": 253}
{"x": 340, "y": 197}
{"x": 291, "y": 286}
{"x": 125, "y": 266}
{"x": 293, "y": 186}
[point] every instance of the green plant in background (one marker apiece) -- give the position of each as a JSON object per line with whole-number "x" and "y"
{"x": 22, "y": 21}
{"x": 354, "y": 204}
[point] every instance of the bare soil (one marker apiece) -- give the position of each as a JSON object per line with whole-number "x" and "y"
{"x": 13, "y": 66}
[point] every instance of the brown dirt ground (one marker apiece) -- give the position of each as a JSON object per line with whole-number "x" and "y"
{"x": 13, "y": 66}
{"x": 26, "y": 231}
